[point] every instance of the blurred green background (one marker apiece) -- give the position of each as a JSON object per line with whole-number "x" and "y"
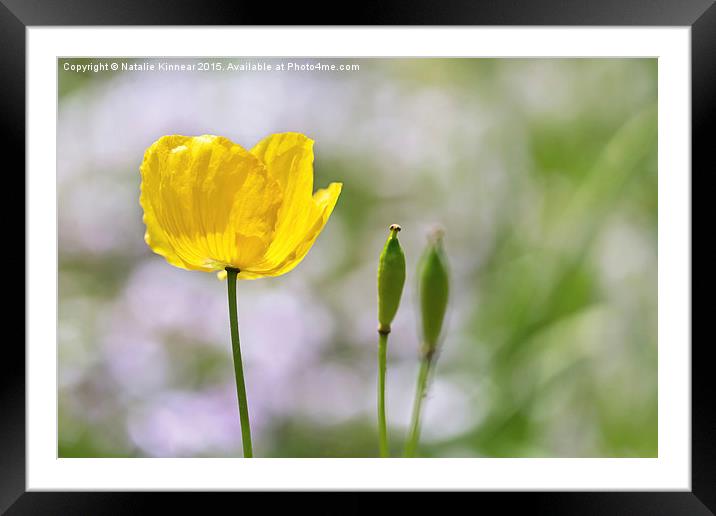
{"x": 543, "y": 173}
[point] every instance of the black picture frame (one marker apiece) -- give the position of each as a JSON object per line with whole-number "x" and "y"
{"x": 17, "y": 15}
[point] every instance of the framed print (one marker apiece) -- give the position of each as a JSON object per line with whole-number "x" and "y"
{"x": 439, "y": 250}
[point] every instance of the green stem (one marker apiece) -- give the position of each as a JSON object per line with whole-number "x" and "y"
{"x": 382, "y": 427}
{"x": 238, "y": 367}
{"x": 420, "y": 392}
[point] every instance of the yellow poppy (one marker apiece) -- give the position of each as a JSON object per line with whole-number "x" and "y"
{"x": 210, "y": 204}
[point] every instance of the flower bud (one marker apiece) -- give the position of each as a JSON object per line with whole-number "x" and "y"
{"x": 433, "y": 288}
{"x": 391, "y": 278}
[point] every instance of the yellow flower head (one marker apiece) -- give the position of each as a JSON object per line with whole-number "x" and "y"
{"x": 210, "y": 204}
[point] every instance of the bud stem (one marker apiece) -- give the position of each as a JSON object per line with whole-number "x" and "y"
{"x": 382, "y": 426}
{"x": 420, "y": 392}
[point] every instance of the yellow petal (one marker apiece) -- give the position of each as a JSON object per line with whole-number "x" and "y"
{"x": 323, "y": 201}
{"x": 208, "y": 203}
{"x": 288, "y": 157}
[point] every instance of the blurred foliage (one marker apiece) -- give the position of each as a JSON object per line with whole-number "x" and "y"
{"x": 543, "y": 173}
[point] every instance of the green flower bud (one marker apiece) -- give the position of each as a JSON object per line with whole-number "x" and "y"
{"x": 433, "y": 288}
{"x": 391, "y": 278}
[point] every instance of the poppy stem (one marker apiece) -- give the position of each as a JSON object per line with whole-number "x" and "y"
{"x": 420, "y": 392}
{"x": 238, "y": 366}
{"x": 382, "y": 427}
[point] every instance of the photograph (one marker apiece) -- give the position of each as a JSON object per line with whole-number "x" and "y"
{"x": 396, "y": 257}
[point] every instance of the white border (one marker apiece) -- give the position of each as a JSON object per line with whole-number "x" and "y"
{"x": 670, "y": 471}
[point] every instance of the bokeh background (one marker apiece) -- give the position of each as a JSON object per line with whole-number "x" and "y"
{"x": 543, "y": 173}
